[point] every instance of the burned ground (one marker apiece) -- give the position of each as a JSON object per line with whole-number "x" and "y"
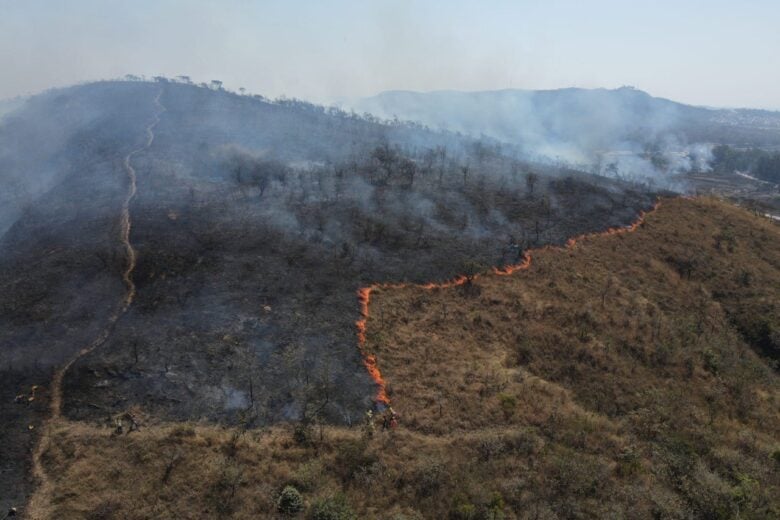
{"x": 248, "y": 269}
{"x": 60, "y": 260}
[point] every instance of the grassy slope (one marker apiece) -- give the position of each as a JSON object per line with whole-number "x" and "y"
{"x": 609, "y": 380}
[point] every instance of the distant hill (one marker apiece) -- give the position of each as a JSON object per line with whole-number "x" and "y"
{"x": 577, "y": 123}
{"x": 9, "y": 105}
{"x": 46, "y": 137}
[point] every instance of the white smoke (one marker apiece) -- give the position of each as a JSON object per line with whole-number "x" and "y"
{"x": 624, "y": 133}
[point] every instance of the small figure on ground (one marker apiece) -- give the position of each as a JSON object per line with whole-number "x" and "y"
{"x": 24, "y": 398}
{"x": 134, "y": 426}
{"x": 368, "y": 424}
{"x": 390, "y": 419}
{"x": 118, "y": 426}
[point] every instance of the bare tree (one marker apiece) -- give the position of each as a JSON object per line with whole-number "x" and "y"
{"x": 530, "y": 182}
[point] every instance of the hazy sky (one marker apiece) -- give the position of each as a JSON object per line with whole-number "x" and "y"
{"x": 714, "y": 52}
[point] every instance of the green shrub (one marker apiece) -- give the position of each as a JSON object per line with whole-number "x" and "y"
{"x": 302, "y": 434}
{"x": 290, "y": 501}
{"x": 495, "y": 508}
{"x": 352, "y": 459}
{"x": 522, "y": 442}
{"x": 489, "y": 448}
{"x": 308, "y": 476}
{"x": 222, "y": 490}
{"x": 629, "y": 463}
{"x": 711, "y": 361}
{"x": 776, "y": 456}
{"x": 466, "y": 511}
{"x": 508, "y": 404}
{"x": 332, "y": 508}
{"x": 428, "y": 477}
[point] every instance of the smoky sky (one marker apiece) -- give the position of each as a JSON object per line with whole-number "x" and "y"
{"x": 717, "y": 52}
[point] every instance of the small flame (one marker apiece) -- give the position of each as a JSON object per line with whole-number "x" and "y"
{"x": 364, "y": 293}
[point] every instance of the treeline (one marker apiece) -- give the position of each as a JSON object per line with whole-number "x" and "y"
{"x": 284, "y": 101}
{"x": 760, "y": 163}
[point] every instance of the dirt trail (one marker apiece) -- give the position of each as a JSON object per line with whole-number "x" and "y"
{"x": 36, "y": 508}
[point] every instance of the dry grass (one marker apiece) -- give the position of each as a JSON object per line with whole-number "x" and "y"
{"x": 610, "y": 380}
{"x": 600, "y": 325}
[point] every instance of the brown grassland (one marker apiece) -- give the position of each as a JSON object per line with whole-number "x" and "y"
{"x": 630, "y": 376}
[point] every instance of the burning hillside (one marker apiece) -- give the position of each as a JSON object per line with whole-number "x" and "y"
{"x": 234, "y": 241}
{"x": 364, "y": 293}
{"x": 631, "y": 375}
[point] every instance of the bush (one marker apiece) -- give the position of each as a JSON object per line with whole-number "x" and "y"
{"x": 290, "y": 501}
{"x": 308, "y": 476}
{"x": 223, "y": 489}
{"x": 495, "y": 508}
{"x": 352, "y": 459}
{"x": 464, "y": 511}
{"x": 711, "y": 361}
{"x": 428, "y": 477}
{"x": 629, "y": 463}
{"x": 302, "y": 434}
{"x": 508, "y": 404}
{"x": 332, "y": 508}
{"x": 489, "y": 448}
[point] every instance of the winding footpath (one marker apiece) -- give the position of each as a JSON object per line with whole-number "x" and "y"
{"x": 37, "y": 507}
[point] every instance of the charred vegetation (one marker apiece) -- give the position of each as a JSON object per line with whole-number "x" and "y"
{"x": 254, "y": 223}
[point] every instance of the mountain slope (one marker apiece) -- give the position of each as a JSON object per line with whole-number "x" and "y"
{"x": 610, "y": 378}
{"x": 253, "y": 224}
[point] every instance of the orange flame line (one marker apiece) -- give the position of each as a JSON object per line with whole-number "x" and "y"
{"x": 364, "y": 293}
